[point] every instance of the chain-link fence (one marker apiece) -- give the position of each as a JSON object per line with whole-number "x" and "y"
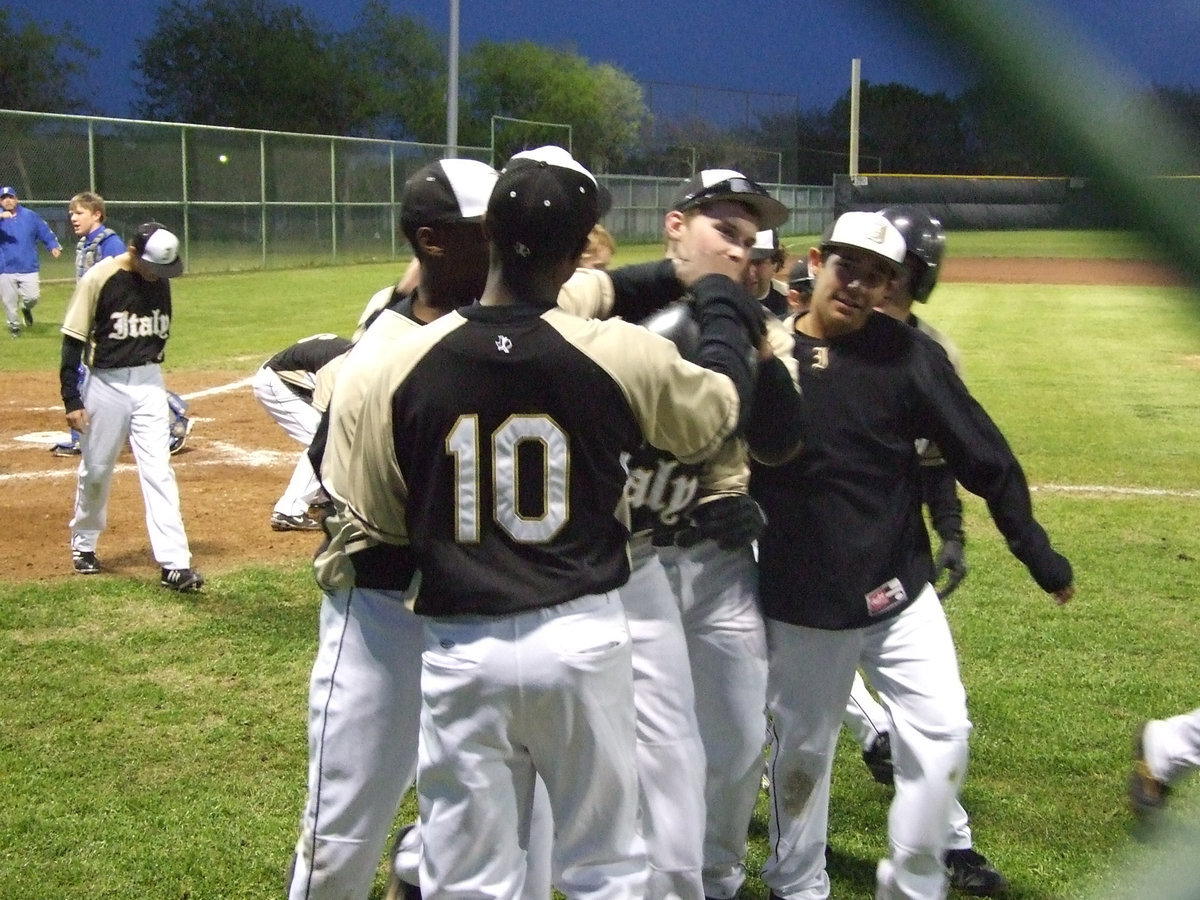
{"x": 244, "y": 199}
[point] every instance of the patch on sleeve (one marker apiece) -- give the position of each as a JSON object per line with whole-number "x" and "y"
{"x": 887, "y": 596}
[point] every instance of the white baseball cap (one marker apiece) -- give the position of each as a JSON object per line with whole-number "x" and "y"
{"x": 157, "y": 251}
{"x": 870, "y": 232}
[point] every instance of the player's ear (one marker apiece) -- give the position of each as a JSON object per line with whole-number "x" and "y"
{"x": 816, "y": 260}
{"x": 674, "y": 224}
{"x": 427, "y": 240}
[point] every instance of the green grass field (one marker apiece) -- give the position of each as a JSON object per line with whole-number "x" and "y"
{"x": 153, "y": 745}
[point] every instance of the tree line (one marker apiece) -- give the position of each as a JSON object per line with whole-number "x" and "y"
{"x": 265, "y": 64}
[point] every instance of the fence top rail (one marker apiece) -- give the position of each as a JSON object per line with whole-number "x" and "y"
{"x": 230, "y": 128}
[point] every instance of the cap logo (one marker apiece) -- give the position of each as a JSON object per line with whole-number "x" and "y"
{"x": 504, "y": 343}
{"x": 522, "y": 249}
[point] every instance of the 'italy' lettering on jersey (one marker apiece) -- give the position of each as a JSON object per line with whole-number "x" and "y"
{"x": 129, "y": 325}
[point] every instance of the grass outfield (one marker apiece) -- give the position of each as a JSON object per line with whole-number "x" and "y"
{"x": 152, "y": 745}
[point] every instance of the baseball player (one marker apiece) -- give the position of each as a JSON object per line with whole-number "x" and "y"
{"x": 766, "y": 259}
{"x": 508, "y": 498}
{"x": 1164, "y": 750}
{"x": 845, "y": 565}
{"x": 699, "y": 646}
{"x": 364, "y": 704}
{"x": 120, "y": 316}
{"x": 96, "y": 242}
{"x": 284, "y": 385}
{"x": 20, "y": 231}
{"x": 799, "y": 288}
{"x": 925, "y": 240}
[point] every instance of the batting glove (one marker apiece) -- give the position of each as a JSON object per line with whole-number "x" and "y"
{"x": 732, "y": 520}
{"x": 949, "y": 562}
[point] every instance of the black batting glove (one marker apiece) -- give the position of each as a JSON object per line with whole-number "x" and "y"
{"x": 950, "y": 562}
{"x": 732, "y": 520}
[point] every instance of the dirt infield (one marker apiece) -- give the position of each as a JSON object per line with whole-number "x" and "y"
{"x": 237, "y": 460}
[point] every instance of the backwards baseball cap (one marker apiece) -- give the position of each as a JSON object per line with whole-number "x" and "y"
{"x": 714, "y": 185}
{"x": 446, "y": 191}
{"x": 7, "y": 191}
{"x": 543, "y": 206}
{"x": 765, "y": 244}
{"x": 870, "y": 232}
{"x": 156, "y": 251}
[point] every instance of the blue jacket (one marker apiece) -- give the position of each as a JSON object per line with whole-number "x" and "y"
{"x": 18, "y": 241}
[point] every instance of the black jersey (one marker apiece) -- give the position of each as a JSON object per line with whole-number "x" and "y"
{"x": 660, "y": 491}
{"x": 123, "y": 318}
{"x": 298, "y": 364}
{"x": 845, "y": 544}
{"x": 492, "y": 443}
{"x": 776, "y": 301}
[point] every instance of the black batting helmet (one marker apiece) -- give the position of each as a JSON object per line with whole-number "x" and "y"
{"x": 926, "y": 240}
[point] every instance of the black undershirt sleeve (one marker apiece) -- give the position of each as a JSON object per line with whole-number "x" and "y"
{"x": 68, "y": 373}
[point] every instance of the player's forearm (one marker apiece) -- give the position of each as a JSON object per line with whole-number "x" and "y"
{"x": 731, "y": 327}
{"x": 775, "y": 428}
{"x": 68, "y": 373}
{"x": 939, "y": 491}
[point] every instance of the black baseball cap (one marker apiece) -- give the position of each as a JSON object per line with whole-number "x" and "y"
{"x": 156, "y": 251}
{"x": 799, "y": 277}
{"x": 714, "y": 185}
{"x": 543, "y": 206}
{"x": 446, "y": 191}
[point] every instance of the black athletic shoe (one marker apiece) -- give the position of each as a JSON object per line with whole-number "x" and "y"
{"x": 85, "y": 562}
{"x": 879, "y": 759}
{"x": 27, "y": 315}
{"x": 971, "y": 873}
{"x": 186, "y": 581}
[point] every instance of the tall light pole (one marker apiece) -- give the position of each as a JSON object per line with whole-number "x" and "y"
{"x": 452, "y": 86}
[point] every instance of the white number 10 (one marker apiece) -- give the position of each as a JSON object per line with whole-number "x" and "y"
{"x": 463, "y": 444}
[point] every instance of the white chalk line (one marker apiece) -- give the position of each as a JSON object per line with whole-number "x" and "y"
{"x": 195, "y": 395}
{"x": 233, "y": 455}
{"x": 1109, "y": 490}
{"x": 225, "y": 453}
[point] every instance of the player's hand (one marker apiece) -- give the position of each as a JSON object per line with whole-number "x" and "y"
{"x": 56, "y": 252}
{"x": 732, "y": 520}
{"x": 951, "y": 563}
{"x": 691, "y": 269}
{"x": 78, "y": 420}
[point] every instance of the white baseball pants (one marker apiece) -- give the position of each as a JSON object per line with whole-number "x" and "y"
{"x": 548, "y": 691}
{"x": 670, "y": 754}
{"x": 911, "y": 659}
{"x": 866, "y": 718}
{"x": 129, "y": 403}
{"x": 1172, "y": 746}
{"x": 298, "y": 418}
{"x": 538, "y": 855}
{"x": 364, "y": 715}
{"x": 727, "y": 647}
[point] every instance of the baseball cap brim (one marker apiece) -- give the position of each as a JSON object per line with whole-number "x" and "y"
{"x": 714, "y": 186}
{"x": 157, "y": 252}
{"x": 869, "y": 232}
{"x": 159, "y": 270}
